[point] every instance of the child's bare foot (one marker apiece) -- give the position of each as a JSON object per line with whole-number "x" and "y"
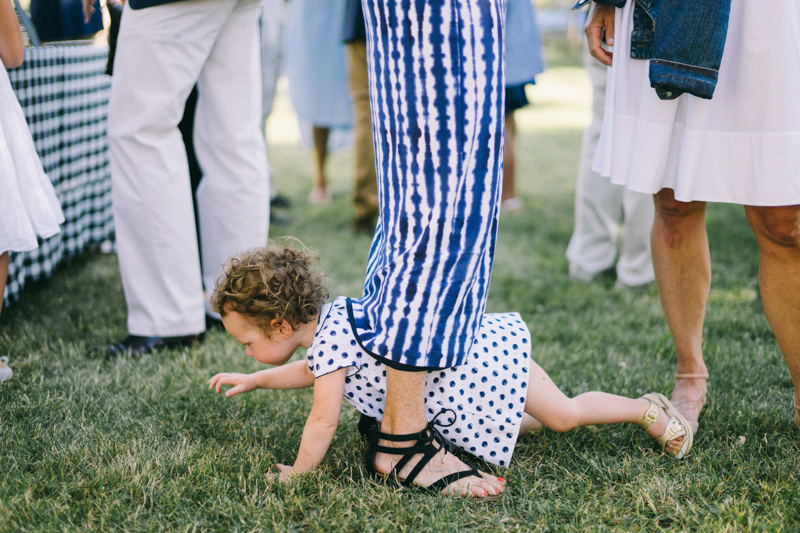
{"x": 439, "y": 466}
{"x": 663, "y": 422}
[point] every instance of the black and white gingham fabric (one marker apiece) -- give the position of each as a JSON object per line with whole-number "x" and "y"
{"x": 64, "y": 95}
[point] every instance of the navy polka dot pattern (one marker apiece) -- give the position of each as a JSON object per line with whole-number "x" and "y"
{"x": 487, "y": 393}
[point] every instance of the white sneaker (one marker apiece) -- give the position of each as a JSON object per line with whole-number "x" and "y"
{"x": 5, "y": 371}
{"x": 512, "y": 205}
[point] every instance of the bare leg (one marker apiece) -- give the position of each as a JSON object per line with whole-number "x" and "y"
{"x": 545, "y": 402}
{"x": 777, "y": 231}
{"x": 320, "y": 192}
{"x": 405, "y": 413}
{"x": 683, "y": 275}
{"x": 3, "y": 277}
{"x": 509, "y": 179}
{"x": 529, "y": 425}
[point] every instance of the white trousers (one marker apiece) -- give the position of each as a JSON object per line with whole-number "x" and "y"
{"x": 602, "y": 209}
{"x": 272, "y": 24}
{"x": 162, "y": 52}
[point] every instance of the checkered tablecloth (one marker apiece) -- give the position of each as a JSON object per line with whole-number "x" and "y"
{"x": 64, "y": 94}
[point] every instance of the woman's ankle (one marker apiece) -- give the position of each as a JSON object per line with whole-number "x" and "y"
{"x": 691, "y": 366}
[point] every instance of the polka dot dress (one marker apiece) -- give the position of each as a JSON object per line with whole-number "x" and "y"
{"x": 487, "y": 393}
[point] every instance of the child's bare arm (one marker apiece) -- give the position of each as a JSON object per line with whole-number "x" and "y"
{"x": 294, "y": 375}
{"x": 11, "y": 48}
{"x": 321, "y": 424}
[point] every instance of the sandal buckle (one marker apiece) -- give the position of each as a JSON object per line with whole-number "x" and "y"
{"x": 649, "y": 417}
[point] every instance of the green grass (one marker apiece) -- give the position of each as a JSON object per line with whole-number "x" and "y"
{"x": 139, "y": 444}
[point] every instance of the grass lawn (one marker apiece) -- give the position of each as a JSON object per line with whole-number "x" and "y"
{"x": 140, "y": 445}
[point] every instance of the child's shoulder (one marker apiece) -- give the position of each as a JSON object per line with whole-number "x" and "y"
{"x": 503, "y": 321}
{"x": 332, "y": 315}
{"x": 337, "y": 308}
{"x": 334, "y": 345}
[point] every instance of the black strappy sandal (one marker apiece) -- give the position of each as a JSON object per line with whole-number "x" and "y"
{"x": 366, "y": 425}
{"x": 424, "y": 445}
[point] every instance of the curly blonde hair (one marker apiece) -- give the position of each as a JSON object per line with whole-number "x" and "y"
{"x": 274, "y": 282}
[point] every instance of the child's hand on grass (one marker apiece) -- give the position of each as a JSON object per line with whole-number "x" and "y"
{"x": 241, "y": 383}
{"x": 286, "y": 473}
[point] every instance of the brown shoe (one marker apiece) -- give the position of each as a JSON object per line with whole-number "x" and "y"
{"x": 365, "y": 225}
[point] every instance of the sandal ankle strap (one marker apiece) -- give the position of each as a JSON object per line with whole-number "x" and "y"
{"x": 404, "y": 438}
{"x": 650, "y": 416}
{"x": 422, "y": 440}
{"x": 427, "y": 434}
{"x": 698, "y": 375}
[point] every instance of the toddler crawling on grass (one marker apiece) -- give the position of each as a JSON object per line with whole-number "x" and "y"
{"x": 272, "y": 302}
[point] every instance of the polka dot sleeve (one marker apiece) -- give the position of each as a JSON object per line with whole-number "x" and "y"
{"x": 334, "y": 346}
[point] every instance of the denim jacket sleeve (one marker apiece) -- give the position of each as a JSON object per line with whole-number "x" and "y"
{"x": 615, "y": 3}
{"x": 684, "y": 41}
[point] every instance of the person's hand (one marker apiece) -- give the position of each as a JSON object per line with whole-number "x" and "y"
{"x": 286, "y": 473}
{"x": 600, "y": 18}
{"x": 240, "y": 382}
{"x": 88, "y": 9}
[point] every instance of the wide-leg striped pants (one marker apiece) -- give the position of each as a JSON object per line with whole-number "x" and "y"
{"x": 436, "y": 91}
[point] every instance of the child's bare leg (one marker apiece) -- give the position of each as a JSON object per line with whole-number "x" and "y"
{"x": 547, "y": 404}
{"x": 529, "y": 425}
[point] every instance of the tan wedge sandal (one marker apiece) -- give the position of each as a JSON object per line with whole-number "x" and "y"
{"x": 676, "y": 427}
{"x": 694, "y": 424}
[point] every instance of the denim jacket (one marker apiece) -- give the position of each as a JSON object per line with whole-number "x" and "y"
{"x": 684, "y": 41}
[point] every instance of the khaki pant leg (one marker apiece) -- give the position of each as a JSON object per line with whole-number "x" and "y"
{"x": 365, "y": 195}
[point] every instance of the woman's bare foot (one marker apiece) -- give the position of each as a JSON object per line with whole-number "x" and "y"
{"x": 442, "y": 464}
{"x": 689, "y": 396}
{"x": 319, "y": 195}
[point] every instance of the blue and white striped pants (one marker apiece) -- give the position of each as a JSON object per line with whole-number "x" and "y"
{"x": 436, "y": 90}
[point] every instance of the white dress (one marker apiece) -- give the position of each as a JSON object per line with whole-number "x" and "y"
{"x": 487, "y": 393}
{"x": 742, "y": 146}
{"x": 28, "y": 203}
